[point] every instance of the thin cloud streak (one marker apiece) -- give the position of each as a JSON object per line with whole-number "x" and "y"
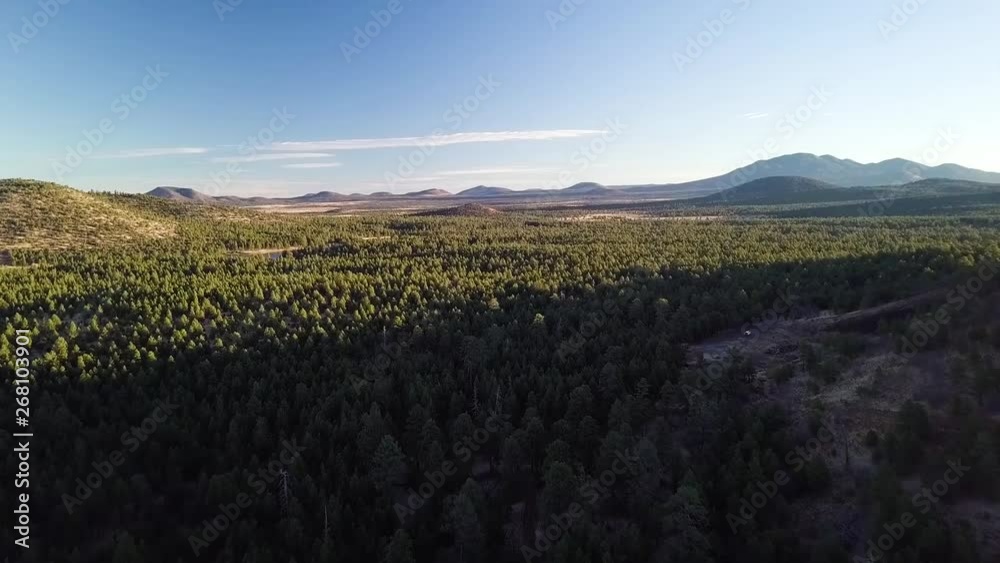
{"x": 312, "y": 165}
{"x": 380, "y": 186}
{"x": 495, "y": 171}
{"x": 433, "y": 140}
{"x": 272, "y": 156}
{"x": 145, "y": 153}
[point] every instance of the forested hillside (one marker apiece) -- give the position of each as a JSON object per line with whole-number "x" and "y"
{"x": 497, "y": 388}
{"x": 45, "y": 215}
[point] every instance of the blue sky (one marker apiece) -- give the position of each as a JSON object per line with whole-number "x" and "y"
{"x": 276, "y": 97}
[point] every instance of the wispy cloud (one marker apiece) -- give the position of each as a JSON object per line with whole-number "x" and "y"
{"x": 495, "y": 171}
{"x": 272, "y": 156}
{"x": 755, "y": 115}
{"x": 418, "y": 181}
{"x": 145, "y": 153}
{"x": 312, "y": 165}
{"x": 433, "y": 140}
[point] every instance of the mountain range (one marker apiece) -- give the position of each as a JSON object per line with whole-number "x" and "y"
{"x": 835, "y": 172}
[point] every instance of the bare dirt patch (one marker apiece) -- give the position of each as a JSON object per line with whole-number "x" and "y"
{"x": 259, "y": 251}
{"x": 866, "y": 393}
{"x": 270, "y": 253}
{"x": 632, "y": 216}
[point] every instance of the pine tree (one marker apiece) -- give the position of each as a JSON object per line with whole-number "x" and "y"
{"x": 388, "y": 464}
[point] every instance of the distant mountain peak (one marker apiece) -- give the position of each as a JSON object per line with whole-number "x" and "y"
{"x": 846, "y": 172}
{"x": 485, "y": 191}
{"x": 433, "y": 192}
{"x": 179, "y": 194}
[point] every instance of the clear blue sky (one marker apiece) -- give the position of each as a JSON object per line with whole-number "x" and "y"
{"x": 558, "y": 81}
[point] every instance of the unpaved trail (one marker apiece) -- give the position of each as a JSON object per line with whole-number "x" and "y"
{"x": 769, "y": 339}
{"x": 891, "y": 377}
{"x": 269, "y": 253}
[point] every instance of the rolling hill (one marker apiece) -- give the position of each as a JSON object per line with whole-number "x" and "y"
{"x": 179, "y": 194}
{"x": 943, "y": 186}
{"x": 44, "y": 215}
{"x": 434, "y": 192}
{"x": 319, "y": 197}
{"x": 781, "y": 190}
{"x": 787, "y": 190}
{"x": 486, "y": 191}
{"x": 588, "y": 188}
{"x": 190, "y": 195}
